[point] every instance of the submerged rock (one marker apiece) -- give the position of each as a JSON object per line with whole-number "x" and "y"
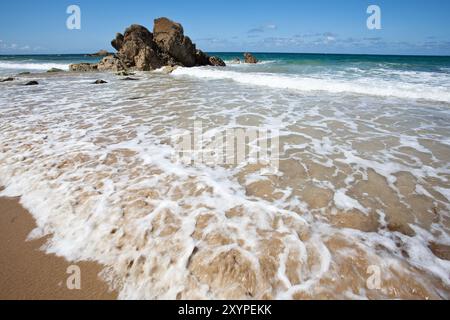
{"x": 129, "y": 79}
{"x": 31, "y": 83}
{"x": 249, "y": 58}
{"x": 236, "y": 61}
{"x": 54, "y": 70}
{"x": 24, "y": 73}
{"x": 7, "y": 79}
{"x": 83, "y": 67}
{"x": 100, "y": 82}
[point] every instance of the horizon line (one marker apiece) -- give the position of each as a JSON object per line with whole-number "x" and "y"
{"x": 254, "y": 52}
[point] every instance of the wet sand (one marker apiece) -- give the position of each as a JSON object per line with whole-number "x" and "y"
{"x": 28, "y": 273}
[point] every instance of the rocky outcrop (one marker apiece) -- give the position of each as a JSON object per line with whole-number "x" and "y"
{"x": 139, "y": 49}
{"x": 83, "y": 67}
{"x": 7, "y": 80}
{"x": 111, "y": 63}
{"x": 249, "y": 58}
{"x": 136, "y": 49}
{"x": 101, "y": 53}
{"x": 217, "y": 62}
{"x": 169, "y": 37}
{"x": 31, "y": 83}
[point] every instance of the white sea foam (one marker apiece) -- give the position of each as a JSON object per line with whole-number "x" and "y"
{"x": 100, "y": 176}
{"x": 32, "y": 66}
{"x": 364, "y": 86}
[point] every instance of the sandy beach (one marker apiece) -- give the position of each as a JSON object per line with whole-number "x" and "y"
{"x": 28, "y": 273}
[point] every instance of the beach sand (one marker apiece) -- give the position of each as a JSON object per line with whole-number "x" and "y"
{"x": 28, "y": 273}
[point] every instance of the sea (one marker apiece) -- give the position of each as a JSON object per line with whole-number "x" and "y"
{"x": 356, "y": 204}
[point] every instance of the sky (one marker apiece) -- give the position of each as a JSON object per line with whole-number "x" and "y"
{"x": 319, "y": 26}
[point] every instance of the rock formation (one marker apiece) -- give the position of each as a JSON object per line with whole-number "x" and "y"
{"x": 7, "y": 80}
{"x": 31, "y": 83}
{"x": 139, "y": 49}
{"x": 249, "y": 58}
{"x": 83, "y": 67}
{"x": 101, "y": 53}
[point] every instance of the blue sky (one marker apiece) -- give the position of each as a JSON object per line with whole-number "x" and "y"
{"x": 325, "y": 26}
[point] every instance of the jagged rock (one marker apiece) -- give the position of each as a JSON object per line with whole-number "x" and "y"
{"x": 117, "y": 42}
{"x": 54, "y": 70}
{"x": 169, "y": 37}
{"x": 31, "y": 83}
{"x": 137, "y": 49}
{"x": 7, "y": 79}
{"x": 83, "y": 67}
{"x": 217, "y": 62}
{"x": 111, "y": 63}
{"x": 100, "y": 82}
{"x": 249, "y": 58}
{"x": 201, "y": 58}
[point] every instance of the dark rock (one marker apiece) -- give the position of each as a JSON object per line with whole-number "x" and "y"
{"x": 24, "y": 73}
{"x": 100, "y": 82}
{"x": 54, "y": 70}
{"x": 201, "y": 58}
{"x": 249, "y": 58}
{"x": 7, "y": 79}
{"x": 216, "y": 61}
{"x": 31, "y": 83}
{"x": 83, "y": 67}
{"x": 118, "y": 41}
{"x": 129, "y": 79}
{"x": 169, "y": 37}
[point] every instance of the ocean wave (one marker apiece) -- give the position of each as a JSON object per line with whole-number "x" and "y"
{"x": 362, "y": 85}
{"x": 32, "y": 66}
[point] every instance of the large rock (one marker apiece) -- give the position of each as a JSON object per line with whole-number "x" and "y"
{"x": 169, "y": 37}
{"x": 249, "y": 58}
{"x": 137, "y": 49}
{"x": 83, "y": 67}
{"x": 111, "y": 63}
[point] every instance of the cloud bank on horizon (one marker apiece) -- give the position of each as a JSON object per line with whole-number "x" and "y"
{"x": 323, "y": 26}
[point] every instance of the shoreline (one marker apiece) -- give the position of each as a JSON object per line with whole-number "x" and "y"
{"x": 27, "y": 273}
